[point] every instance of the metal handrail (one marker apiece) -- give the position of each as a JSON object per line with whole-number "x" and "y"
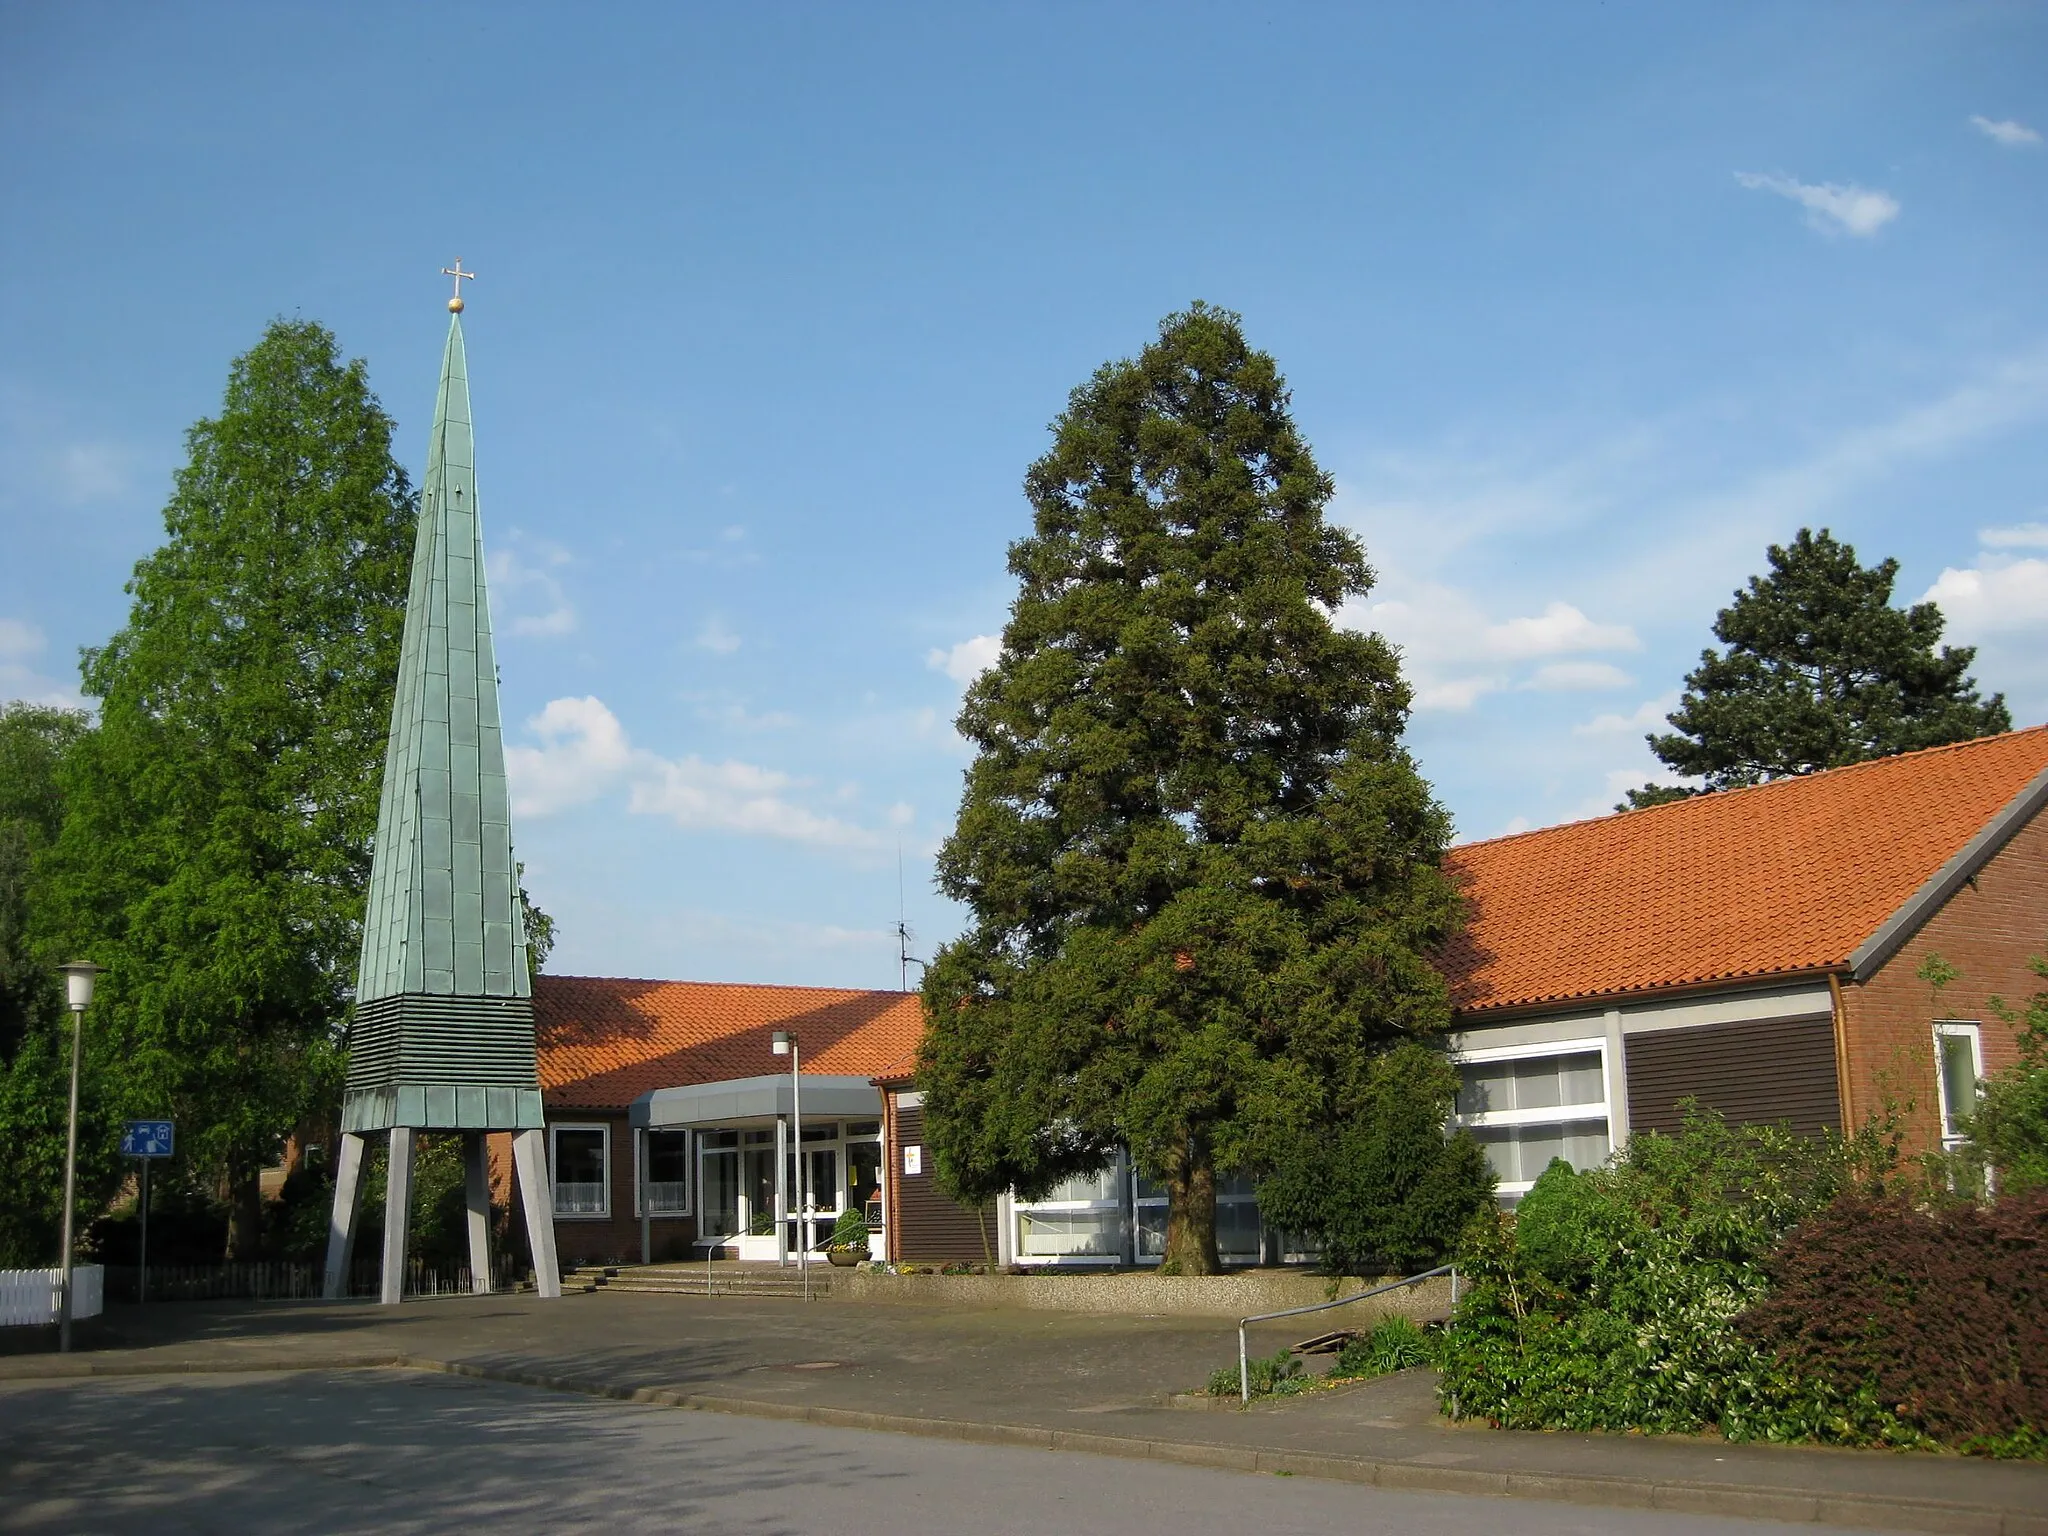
{"x": 711, "y": 1251}
{"x": 1244, "y": 1374}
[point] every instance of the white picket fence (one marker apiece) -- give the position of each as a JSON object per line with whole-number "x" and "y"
{"x": 33, "y": 1297}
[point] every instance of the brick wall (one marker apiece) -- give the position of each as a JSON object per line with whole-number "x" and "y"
{"x": 604, "y": 1240}
{"x": 1987, "y": 931}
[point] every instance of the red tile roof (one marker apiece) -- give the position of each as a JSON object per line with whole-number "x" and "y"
{"x": 604, "y": 1042}
{"x": 1785, "y": 877}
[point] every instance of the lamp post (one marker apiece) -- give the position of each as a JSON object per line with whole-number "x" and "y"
{"x": 78, "y": 979}
{"x": 783, "y": 1043}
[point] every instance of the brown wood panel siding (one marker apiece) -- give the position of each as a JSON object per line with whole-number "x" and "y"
{"x": 1754, "y": 1073}
{"x": 930, "y": 1227}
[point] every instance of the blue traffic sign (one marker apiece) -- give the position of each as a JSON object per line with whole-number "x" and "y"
{"x": 146, "y": 1138}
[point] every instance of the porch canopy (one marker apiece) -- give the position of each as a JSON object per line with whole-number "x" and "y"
{"x": 756, "y": 1101}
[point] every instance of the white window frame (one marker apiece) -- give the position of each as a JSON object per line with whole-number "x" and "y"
{"x": 1550, "y": 1114}
{"x": 1955, "y": 1029}
{"x": 1118, "y": 1201}
{"x": 604, "y": 1211}
{"x": 690, "y": 1156}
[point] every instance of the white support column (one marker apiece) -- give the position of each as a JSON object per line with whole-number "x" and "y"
{"x": 530, "y": 1159}
{"x": 476, "y": 1157}
{"x": 397, "y": 1212}
{"x": 341, "y": 1226}
{"x": 781, "y": 1189}
{"x": 1617, "y": 1081}
{"x": 640, "y": 1194}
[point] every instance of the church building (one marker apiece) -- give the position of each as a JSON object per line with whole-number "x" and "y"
{"x": 1762, "y": 950}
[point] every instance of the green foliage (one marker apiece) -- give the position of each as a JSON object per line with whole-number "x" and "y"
{"x": 540, "y": 928}
{"x": 2009, "y": 1131}
{"x": 1202, "y": 872}
{"x": 1384, "y": 1188}
{"x": 35, "y": 1030}
{"x": 1939, "y": 1314}
{"x": 849, "y": 1231}
{"x": 1820, "y": 670}
{"x": 1609, "y": 1301}
{"x": 1279, "y": 1375}
{"x": 217, "y": 840}
{"x": 1653, "y": 794}
{"x": 1393, "y": 1344}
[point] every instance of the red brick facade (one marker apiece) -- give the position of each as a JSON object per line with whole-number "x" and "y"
{"x": 1987, "y": 930}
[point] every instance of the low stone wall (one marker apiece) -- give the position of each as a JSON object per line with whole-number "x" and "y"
{"x": 1145, "y": 1291}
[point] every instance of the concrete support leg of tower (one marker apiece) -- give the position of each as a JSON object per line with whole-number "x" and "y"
{"x": 476, "y": 1158}
{"x": 397, "y": 1212}
{"x": 529, "y": 1159}
{"x": 341, "y": 1226}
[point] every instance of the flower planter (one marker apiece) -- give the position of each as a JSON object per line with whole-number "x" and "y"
{"x": 843, "y": 1258}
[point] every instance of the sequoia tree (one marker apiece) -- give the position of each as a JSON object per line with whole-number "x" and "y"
{"x": 1819, "y": 670}
{"x": 217, "y": 838}
{"x": 1203, "y": 873}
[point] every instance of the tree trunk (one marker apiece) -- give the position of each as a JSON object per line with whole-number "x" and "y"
{"x": 1191, "y": 1213}
{"x": 245, "y": 1211}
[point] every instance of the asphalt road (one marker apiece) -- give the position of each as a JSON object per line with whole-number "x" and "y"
{"x": 399, "y": 1451}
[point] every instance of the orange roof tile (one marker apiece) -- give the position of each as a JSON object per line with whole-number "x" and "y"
{"x": 1785, "y": 877}
{"x": 604, "y": 1042}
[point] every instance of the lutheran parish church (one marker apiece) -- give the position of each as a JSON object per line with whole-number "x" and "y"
{"x": 1759, "y": 950}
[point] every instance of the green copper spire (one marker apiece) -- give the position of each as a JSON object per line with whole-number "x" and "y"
{"x": 442, "y": 995}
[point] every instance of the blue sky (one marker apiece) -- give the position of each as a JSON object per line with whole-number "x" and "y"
{"x": 1582, "y": 306}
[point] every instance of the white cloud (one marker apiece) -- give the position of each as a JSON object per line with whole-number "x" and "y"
{"x": 2016, "y": 536}
{"x": 1578, "y": 676}
{"x": 717, "y": 637}
{"x": 1646, "y": 716}
{"x": 1997, "y": 596}
{"x": 968, "y": 660}
{"x": 19, "y": 640}
{"x": 21, "y": 643}
{"x": 737, "y": 717}
{"x": 584, "y": 753}
{"x": 1858, "y": 210}
{"x": 532, "y": 595}
{"x": 1454, "y": 654}
{"x": 2014, "y": 135}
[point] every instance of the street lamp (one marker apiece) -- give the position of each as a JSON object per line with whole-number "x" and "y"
{"x": 78, "y": 979}
{"x": 783, "y": 1043}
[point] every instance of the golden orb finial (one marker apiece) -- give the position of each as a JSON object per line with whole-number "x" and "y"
{"x": 456, "y": 272}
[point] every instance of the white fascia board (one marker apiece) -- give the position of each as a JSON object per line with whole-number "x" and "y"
{"x": 1804, "y": 1001}
{"x": 1895, "y": 930}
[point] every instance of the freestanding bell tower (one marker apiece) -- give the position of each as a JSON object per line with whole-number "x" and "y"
{"x": 443, "y": 1039}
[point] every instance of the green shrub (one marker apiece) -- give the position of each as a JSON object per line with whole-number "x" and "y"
{"x": 1619, "y": 1309}
{"x": 1941, "y": 1315}
{"x": 2009, "y": 1130}
{"x": 1280, "y": 1375}
{"x": 1394, "y": 1344}
{"x": 1385, "y": 1189}
{"x": 850, "y": 1231}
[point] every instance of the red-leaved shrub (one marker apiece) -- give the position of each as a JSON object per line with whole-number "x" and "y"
{"x": 1943, "y": 1313}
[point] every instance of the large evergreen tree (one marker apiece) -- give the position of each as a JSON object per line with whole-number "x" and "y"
{"x": 35, "y": 1040}
{"x": 1204, "y": 874}
{"x": 1819, "y": 670}
{"x": 217, "y": 840}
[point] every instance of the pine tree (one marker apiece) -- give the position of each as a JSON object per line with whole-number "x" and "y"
{"x": 217, "y": 841}
{"x": 1819, "y": 670}
{"x": 1204, "y": 874}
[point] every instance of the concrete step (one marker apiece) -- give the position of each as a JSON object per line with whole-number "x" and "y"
{"x": 724, "y": 1280}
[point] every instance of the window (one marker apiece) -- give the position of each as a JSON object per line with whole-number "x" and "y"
{"x": 1526, "y": 1105}
{"x": 720, "y": 1181}
{"x": 1958, "y": 1065}
{"x": 667, "y": 1175}
{"x": 578, "y": 1156}
{"x": 1238, "y": 1230}
{"x": 1081, "y": 1219}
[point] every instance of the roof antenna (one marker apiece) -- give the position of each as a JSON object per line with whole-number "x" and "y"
{"x": 904, "y": 958}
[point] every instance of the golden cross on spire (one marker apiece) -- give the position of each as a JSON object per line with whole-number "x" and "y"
{"x": 456, "y": 272}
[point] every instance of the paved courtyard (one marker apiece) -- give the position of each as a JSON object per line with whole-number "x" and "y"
{"x": 174, "y": 1407}
{"x": 401, "y": 1451}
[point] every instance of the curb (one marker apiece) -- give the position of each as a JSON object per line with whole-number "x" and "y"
{"x": 1853, "y": 1510}
{"x": 1827, "y": 1509}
